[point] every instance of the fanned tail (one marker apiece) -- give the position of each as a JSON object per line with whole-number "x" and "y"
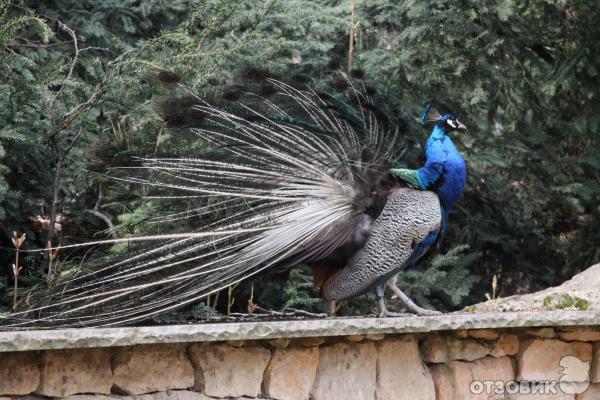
{"x": 287, "y": 178}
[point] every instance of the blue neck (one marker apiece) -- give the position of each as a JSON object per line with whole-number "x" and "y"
{"x": 445, "y": 171}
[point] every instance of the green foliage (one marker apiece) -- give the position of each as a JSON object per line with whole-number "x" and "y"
{"x": 299, "y": 291}
{"x": 446, "y": 281}
{"x": 196, "y": 312}
{"x": 522, "y": 76}
{"x": 563, "y": 301}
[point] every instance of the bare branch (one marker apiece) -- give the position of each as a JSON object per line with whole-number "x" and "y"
{"x": 37, "y": 45}
{"x": 351, "y": 43}
{"x": 103, "y": 216}
{"x": 70, "y": 146}
{"x": 71, "y": 32}
{"x": 82, "y": 107}
{"x": 93, "y": 48}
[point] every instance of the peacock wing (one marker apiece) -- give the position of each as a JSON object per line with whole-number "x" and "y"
{"x": 409, "y": 219}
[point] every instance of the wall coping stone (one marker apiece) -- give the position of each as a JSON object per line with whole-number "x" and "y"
{"x": 27, "y": 340}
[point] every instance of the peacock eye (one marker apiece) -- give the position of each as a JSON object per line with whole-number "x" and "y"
{"x": 452, "y": 123}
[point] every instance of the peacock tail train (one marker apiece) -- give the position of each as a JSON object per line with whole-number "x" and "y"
{"x": 288, "y": 175}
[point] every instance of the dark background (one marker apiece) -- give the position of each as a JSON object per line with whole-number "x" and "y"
{"x": 522, "y": 75}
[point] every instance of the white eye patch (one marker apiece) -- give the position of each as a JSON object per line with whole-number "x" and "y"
{"x": 452, "y": 123}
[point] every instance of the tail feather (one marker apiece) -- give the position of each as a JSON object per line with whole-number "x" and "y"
{"x": 285, "y": 181}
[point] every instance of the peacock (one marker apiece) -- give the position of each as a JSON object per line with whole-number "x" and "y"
{"x": 288, "y": 175}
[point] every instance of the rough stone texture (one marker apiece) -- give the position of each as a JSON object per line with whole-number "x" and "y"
{"x": 225, "y": 371}
{"x": 173, "y": 395}
{"x": 19, "y": 373}
{"x": 355, "y": 338}
{"x": 152, "y": 368}
{"x": 487, "y": 334}
{"x": 583, "y": 286}
{"x": 441, "y": 349}
{"x": 540, "y": 359}
{"x": 506, "y": 345}
{"x": 291, "y": 373}
{"x": 374, "y": 337}
{"x": 453, "y": 380}
{"x": 595, "y": 373}
{"x": 97, "y": 397}
{"x": 346, "y": 371}
{"x": 414, "y": 382}
{"x": 279, "y": 343}
{"x": 168, "y": 395}
{"x": 461, "y": 333}
{"x": 210, "y": 332}
{"x": 71, "y": 371}
{"x": 311, "y": 341}
{"x": 593, "y": 393}
{"x": 444, "y": 386}
{"x": 546, "y": 333}
{"x": 581, "y": 335}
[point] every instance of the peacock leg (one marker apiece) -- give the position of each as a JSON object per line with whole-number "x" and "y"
{"x": 332, "y": 308}
{"x": 407, "y": 301}
{"x": 383, "y": 311}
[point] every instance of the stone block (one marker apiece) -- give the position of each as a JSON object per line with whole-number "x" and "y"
{"x": 595, "y": 373}
{"x": 541, "y": 359}
{"x": 19, "y": 373}
{"x": 346, "y": 371}
{"x": 546, "y": 333}
{"x": 291, "y": 373}
{"x": 172, "y": 395}
{"x": 167, "y": 395}
{"x": 311, "y": 341}
{"x": 152, "y": 368}
{"x": 593, "y": 393}
{"x": 413, "y": 382}
{"x": 72, "y": 371}
{"x": 486, "y": 334}
{"x": 355, "y": 338}
{"x": 97, "y": 397}
{"x": 454, "y": 380}
{"x": 225, "y": 371}
{"x": 461, "y": 333}
{"x": 279, "y": 343}
{"x": 443, "y": 382}
{"x": 581, "y": 335}
{"x": 506, "y": 345}
{"x": 440, "y": 349}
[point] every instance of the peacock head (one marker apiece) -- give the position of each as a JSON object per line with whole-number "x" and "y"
{"x": 448, "y": 122}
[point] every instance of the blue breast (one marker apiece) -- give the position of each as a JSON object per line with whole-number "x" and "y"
{"x": 445, "y": 170}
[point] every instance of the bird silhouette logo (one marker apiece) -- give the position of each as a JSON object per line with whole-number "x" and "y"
{"x": 574, "y": 375}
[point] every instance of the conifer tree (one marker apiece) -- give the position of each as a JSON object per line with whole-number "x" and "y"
{"x": 78, "y": 97}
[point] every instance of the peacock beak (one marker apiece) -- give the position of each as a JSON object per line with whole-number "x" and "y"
{"x": 461, "y": 126}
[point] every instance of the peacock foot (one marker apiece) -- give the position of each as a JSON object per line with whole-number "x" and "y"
{"x": 423, "y": 312}
{"x": 386, "y": 313}
{"x": 383, "y": 311}
{"x": 410, "y": 305}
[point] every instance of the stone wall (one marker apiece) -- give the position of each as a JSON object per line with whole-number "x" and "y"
{"x": 461, "y": 364}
